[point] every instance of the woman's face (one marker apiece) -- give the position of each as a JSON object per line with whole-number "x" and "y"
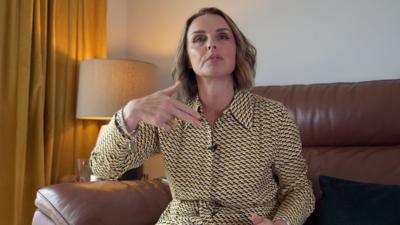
{"x": 211, "y": 46}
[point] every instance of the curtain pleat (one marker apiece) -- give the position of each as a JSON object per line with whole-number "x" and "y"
{"x": 42, "y": 43}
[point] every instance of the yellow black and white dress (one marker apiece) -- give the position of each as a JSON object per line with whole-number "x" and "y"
{"x": 249, "y": 162}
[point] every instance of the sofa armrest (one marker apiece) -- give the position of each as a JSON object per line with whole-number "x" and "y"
{"x": 104, "y": 202}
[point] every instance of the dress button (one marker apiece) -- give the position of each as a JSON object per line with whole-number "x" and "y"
{"x": 213, "y": 147}
{"x": 215, "y": 203}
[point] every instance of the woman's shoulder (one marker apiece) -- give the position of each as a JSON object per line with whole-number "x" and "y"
{"x": 266, "y": 109}
{"x": 266, "y": 103}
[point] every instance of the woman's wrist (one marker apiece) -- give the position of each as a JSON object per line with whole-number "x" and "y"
{"x": 130, "y": 117}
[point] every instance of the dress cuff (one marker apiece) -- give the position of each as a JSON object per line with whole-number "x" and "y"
{"x": 121, "y": 125}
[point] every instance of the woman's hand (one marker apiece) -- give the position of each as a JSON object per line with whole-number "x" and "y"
{"x": 259, "y": 220}
{"x": 159, "y": 109}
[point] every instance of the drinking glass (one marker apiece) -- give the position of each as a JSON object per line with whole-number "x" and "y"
{"x": 83, "y": 170}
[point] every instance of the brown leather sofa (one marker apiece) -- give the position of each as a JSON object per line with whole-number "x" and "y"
{"x": 348, "y": 130}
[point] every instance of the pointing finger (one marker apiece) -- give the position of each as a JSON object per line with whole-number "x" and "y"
{"x": 185, "y": 108}
{"x": 186, "y": 117}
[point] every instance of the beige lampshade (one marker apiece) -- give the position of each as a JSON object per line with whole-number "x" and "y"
{"x": 105, "y": 85}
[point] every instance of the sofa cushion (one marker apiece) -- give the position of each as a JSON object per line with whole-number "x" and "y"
{"x": 104, "y": 202}
{"x": 356, "y": 203}
{"x": 369, "y": 164}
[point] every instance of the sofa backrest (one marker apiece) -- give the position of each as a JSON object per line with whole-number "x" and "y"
{"x": 342, "y": 114}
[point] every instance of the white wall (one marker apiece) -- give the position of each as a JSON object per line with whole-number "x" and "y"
{"x": 308, "y": 41}
{"x": 117, "y": 29}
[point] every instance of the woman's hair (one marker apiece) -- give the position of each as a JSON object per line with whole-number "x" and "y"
{"x": 244, "y": 72}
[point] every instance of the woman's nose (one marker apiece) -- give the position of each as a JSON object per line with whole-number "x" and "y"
{"x": 211, "y": 46}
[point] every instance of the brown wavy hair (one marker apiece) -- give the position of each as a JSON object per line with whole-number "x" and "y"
{"x": 244, "y": 72}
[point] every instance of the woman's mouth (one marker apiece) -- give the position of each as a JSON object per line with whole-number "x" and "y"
{"x": 214, "y": 58}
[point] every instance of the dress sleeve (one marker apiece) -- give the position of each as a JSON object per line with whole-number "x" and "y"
{"x": 296, "y": 198}
{"x": 117, "y": 151}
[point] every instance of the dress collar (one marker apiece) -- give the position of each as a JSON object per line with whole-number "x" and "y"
{"x": 241, "y": 107}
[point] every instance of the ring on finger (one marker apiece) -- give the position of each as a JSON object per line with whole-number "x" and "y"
{"x": 171, "y": 121}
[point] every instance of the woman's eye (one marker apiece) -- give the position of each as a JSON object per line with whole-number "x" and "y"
{"x": 223, "y": 36}
{"x": 199, "y": 39}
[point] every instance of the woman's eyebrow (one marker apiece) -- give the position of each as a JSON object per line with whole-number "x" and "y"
{"x": 223, "y": 29}
{"x": 217, "y": 30}
{"x": 198, "y": 32}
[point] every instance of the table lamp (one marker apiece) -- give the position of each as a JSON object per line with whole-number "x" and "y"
{"x": 105, "y": 85}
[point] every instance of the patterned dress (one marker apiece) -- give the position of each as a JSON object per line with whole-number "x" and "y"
{"x": 249, "y": 161}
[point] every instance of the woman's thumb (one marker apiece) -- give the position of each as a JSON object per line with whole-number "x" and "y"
{"x": 256, "y": 219}
{"x": 172, "y": 89}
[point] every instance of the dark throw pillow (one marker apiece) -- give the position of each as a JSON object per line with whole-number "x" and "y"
{"x": 346, "y": 202}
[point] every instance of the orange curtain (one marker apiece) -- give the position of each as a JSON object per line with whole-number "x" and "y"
{"x": 42, "y": 43}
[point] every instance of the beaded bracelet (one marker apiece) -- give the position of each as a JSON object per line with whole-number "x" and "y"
{"x": 121, "y": 125}
{"x": 132, "y": 132}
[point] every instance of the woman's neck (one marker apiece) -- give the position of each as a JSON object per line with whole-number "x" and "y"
{"x": 215, "y": 94}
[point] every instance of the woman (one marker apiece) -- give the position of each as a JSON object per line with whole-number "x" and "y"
{"x": 231, "y": 157}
